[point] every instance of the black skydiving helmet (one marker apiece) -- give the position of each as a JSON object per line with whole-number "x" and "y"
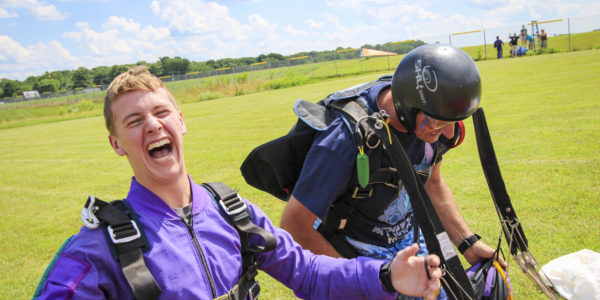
{"x": 440, "y": 80}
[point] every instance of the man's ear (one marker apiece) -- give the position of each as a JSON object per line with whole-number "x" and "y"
{"x": 183, "y": 129}
{"x": 114, "y": 142}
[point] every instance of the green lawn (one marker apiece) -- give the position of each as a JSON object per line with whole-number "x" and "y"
{"x": 543, "y": 113}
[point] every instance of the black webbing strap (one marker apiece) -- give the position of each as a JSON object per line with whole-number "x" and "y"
{"x": 491, "y": 169}
{"x": 125, "y": 236}
{"x": 236, "y": 210}
{"x": 436, "y": 238}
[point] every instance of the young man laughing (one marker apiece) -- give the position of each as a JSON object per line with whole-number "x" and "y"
{"x": 193, "y": 251}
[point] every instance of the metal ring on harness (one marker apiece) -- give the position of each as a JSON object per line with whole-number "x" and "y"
{"x": 88, "y": 217}
{"x": 372, "y": 136}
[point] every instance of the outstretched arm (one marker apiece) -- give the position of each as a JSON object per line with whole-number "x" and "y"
{"x": 455, "y": 225}
{"x": 298, "y": 221}
{"x": 410, "y": 276}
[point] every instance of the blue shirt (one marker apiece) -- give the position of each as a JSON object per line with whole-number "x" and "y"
{"x": 329, "y": 171}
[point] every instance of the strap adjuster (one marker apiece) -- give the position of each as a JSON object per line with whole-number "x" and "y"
{"x": 121, "y": 228}
{"x": 233, "y": 202}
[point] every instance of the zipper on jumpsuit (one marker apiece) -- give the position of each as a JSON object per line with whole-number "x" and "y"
{"x": 209, "y": 277}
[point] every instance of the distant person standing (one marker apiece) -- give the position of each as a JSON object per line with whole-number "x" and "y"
{"x": 514, "y": 44}
{"x": 498, "y": 45}
{"x": 523, "y": 36}
{"x": 531, "y": 41}
{"x": 544, "y": 39}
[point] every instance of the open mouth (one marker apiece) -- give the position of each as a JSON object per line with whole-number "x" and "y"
{"x": 160, "y": 150}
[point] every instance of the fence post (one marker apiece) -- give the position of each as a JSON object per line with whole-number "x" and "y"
{"x": 484, "y": 44}
{"x": 335, "y": 60}
{"x": 569, "y": 31}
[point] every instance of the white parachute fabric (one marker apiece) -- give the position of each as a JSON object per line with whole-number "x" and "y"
{"x": 575, "y": 275}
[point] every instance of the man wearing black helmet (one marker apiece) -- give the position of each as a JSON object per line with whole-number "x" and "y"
{"x": 433, "y": 88}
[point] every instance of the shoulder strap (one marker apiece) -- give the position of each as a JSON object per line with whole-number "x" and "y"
{"x": 235, "y": 210}
{"x": 457, "y": 283}
{"x": 125, "y": 236}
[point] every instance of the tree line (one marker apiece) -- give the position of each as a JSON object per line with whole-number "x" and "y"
{"x": 56, "y": 81}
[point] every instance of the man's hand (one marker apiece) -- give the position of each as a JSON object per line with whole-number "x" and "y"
{"x": 480, "y": 251}
{"x": 409, "y": 275}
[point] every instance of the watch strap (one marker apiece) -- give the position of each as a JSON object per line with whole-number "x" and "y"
{"x": 385, "y": 276}
{"x": 468, "y": 242}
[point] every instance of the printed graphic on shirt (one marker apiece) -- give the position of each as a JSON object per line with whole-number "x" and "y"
{"x": 399, "y": 213}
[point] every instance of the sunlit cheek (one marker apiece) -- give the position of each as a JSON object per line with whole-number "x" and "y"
{"x": 448, "y": 131}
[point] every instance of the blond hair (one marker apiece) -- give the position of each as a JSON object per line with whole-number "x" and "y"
{"x": 136, "y": 78}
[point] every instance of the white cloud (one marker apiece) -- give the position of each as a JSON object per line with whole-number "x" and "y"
{"x": 20, "y": 62}
{"x": 310, "y": 23}
{"x": 149, "y": 33}
{"x": 100, "y": 43}
{"x": 121, "y": 23}
{"x": 193, "y": 16}
{"x": 5, "y": 14}
{"x": 209, "y": 29}
{"x": 39, "y": 9}
{"x": 11, "y": 50}
{"x": 294, "y": 32}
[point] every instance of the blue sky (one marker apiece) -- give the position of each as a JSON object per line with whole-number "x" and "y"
{"x": 38, "y": 35}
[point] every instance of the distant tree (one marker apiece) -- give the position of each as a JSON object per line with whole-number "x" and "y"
{"x": 64, "y": 78}
{"x": 28, "y": 84}
{"x": 116, "y": 70}
{"x": 274, "y": 57}
{"x": 156, "y": 68}
{"x": 200, "y": 66}
{"x": 211, "y": 64}
{"x": 101, "y": 75}
{"x": 261, "y": 58}
{"x": 50, "y": 85}
{"x": 175, "y": 65}
{"x": 9, "y": 87}
{"x": 82, "y": 78}
{"x": 245, "y": 61}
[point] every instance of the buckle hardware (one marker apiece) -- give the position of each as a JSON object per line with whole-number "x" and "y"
{"x": 251, "y": 291}
{"x": 87, "y": 214}
{"x": 356, "y": 195}
{"x": 234, "y": 211}
{"x": 126, "y": 239}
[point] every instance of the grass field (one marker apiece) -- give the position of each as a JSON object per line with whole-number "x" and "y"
{"x": 544, "y": 118}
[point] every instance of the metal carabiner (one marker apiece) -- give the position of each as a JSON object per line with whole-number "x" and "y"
{"x": 87, "y": 214}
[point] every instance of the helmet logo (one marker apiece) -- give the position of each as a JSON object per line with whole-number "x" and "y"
{"x": 425, "y": 78}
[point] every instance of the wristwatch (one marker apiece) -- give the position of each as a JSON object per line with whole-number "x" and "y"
{"x": 385, "y": 276}
{"x": 467, "y": 243}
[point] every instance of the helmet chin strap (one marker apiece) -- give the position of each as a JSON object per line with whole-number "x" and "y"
{"x": 405, "y": 123}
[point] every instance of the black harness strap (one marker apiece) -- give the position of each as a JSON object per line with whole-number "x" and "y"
{"x": 506, "y": 213}
{"x": 491, "y": 169}
{"x": 438, "y": 242}
{"x": 128, "y": 242}
{"x": 235, "y": 209}
{"x": 126, "y": 238}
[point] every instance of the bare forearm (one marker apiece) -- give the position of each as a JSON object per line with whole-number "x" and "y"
{"x": 312, "y": 240}
{"x": 297, "y": 220}
{"x": 445, "y": 206}
{"x": 454, "y": 223}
